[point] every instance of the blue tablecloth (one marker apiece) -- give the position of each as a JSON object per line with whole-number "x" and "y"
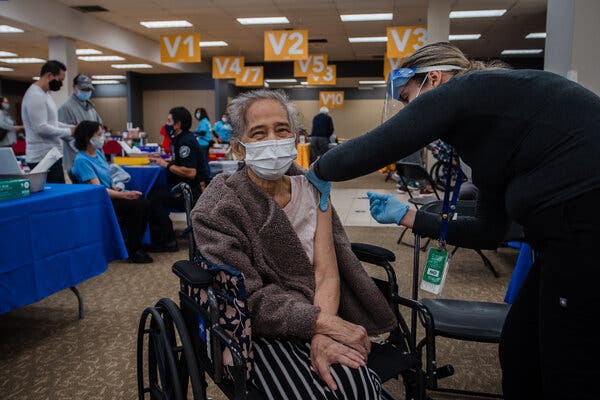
{"x": 522, "y": 267}
{"x": 145, "y": 178}
{"x": 55, "y": 239}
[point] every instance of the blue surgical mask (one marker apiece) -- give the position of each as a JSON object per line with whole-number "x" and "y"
{"x": 198, "y": 116}
{"x": 6, "y": 106}
{"x": 83, "y": 95}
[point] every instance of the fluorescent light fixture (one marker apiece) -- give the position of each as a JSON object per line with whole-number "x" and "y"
{"x": 166, "y": 24}
{"x": 522, "y": 51}
{"x": 536, "y": 35}
{"x": 266, "y": 84}
{"x": 368, "y": 39}
{"x": 101, "y": 58}
{"x": 7, "y": 54}
{"x": 36, "y": 78}
{"x": 470, "y": 36}
{"x": 281, "y": 80}
{"x": 131, "y": 66}
{"x": 304, "y": 83}
{"x": 106, "y": 82}
{"x": 477, "y": 13}
{"x": 264, "y": 20}
{"x": 382, "y": 82}
{"x": 109, "y": 77}
{"x": 87, "y": 52}
{"x": 366, "y": 17}
{"x": 216, "y": 43}
{"x": 5, "y": 69}
{"x": 10, "y": 29}
{"x": 22, "y": 60}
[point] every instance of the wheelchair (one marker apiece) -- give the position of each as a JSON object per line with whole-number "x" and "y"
{"x": 209, "y": 334}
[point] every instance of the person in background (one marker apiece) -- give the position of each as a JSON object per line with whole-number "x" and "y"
{"x": 322, "y": 129}
{"x": 186, "y": 166}
{"x": 204, "y": 133}
{"x": 40, "y": 118}
{"x": 166, "y": 131}
{"x": 222, "y": 129}
{"x": 6, "y": 123}
{"x": 77, "y": 108}
{"x": 90, "y": 166}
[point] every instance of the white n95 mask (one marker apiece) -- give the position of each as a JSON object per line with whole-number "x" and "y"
{"x": 270, "y": 159}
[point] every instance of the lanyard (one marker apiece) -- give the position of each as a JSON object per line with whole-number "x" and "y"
{"x": 449, "y": 206}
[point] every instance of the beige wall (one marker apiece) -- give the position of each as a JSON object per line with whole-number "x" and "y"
{"x": 356, "y": 118}
{"x": 113, "y": 111}
{"x": 157, "y": 104}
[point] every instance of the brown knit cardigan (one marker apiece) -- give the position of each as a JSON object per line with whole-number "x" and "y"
{"x": 238, "y": 224}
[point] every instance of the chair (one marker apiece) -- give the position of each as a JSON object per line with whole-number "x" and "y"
{"x": 455, "y": 319}
{"x": 179, "y": 345}
{"x": 414, "y": 172}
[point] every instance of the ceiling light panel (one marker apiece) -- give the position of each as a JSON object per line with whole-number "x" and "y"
{"x": 87, "y": 52}
{"x": 131, "y": 66}
{"x": 10, "y": 29}
{"x": 5, "y": 69}
{"x": 30, "y": 60}
{"x": 106, "y": 82}
{"x": 371, "y": 82}
{"x": 368, "y": 39}
{"x": 7, "y": 54}
{"x": 536, "y": 35}
{"x": 109, "y": 77}
{"x": 477, "y": 13}
{"x": 101, "y": 58}
{"x": 166, "y": 24}
{"x": 366, "y": 17}
{"x": 216, "y": 43}
{"x": 521, "y": 51}
{"x": 281, "y": 80}
{"x": 470, "y": 36}
{"x": 263, "y": 20}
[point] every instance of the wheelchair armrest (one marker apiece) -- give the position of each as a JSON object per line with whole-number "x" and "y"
{"x": 191, "y": 274}
{"x": 372, "y": 254}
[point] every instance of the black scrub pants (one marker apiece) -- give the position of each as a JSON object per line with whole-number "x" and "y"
{"x": 133, "y": 214}
{"x": 549, "y": 347}
{"x": 162, "y": 202}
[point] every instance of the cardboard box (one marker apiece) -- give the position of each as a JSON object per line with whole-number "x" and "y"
{"x": 13, "y": 189}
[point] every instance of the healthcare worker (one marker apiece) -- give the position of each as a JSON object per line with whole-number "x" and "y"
{"x": 532, "y": 139}
{"x": 204, "y": 134}
{"x": 222, "y": 129}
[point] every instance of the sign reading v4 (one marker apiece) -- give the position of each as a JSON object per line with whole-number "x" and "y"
{"x": 286, "y": 45}
{"x": 227, "y": 67}
{"x": 180, "y": 48}
{"x": 331, "y": 99}
{"x": 328, "y": 77}
{"x": 314, "y": 64}
{"x": 390, "y": 64}
{"x": 250, "y": 76}
{"x": 402, "y": 41}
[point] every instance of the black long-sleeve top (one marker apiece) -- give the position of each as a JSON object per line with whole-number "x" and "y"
{"x": 532, "y": 139}
{"x": 322, "y": 125}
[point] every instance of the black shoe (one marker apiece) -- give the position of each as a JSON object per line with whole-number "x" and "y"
{"x": 166, "y": 247}
{"x": 140, "y": 257}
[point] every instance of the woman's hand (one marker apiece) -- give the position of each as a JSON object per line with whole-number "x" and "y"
{"x": 324, "y": 351}
{"x": 131, "y": 195}
{"x": 387, "y": 208}
{"x": 347, "y": 333}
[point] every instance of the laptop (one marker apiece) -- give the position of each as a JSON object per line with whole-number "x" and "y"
{"x": 8, "y": 162}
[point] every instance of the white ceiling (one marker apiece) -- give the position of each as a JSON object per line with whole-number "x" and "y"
{"x": 216, "y": 20}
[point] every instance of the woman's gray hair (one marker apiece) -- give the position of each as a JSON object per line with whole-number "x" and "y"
{"x": 239, "y": 106}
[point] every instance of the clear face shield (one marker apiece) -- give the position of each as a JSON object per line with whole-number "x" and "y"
{"x": 398, "y": 79}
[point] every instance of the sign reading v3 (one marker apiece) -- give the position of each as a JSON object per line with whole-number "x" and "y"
{"x": 314, "y": 64}
{"x": 286, "y": 45}
{"x": 180, "y": 48}
{"x": 227, "y": 67}
{"x": 331, "y": 99}
{"x": 402, "y": 41}
{"x": 327, "y": 77}
{"x": 250, "y": 76}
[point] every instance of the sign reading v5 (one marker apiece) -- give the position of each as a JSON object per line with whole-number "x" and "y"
{"x": 314, "y": 64}
{"x": 180, "y": 48}
{"x": 402, "y": 41}
{"x": 250, "y": 76}
{"x": 227, "y": 67}
{"x": 328, "y": 77}
{"x": 390, "y": 64}
{"x": 286, "y": 45}
{"x": 331, "y": 99}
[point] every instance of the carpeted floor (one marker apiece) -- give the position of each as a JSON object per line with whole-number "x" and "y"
{"x": 47, "y": 353}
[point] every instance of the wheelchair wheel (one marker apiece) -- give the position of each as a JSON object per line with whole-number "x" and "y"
{"x": 171, "y": 363}
{"x": 439, "y": 172}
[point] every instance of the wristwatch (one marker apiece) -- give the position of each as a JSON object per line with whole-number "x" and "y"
{"x": 169, "y": 164}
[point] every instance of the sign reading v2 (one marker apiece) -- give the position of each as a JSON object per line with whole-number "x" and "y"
{"x": 286, "y": 45}
{"x": 180, "y": 48}
{"x": 227, "y": 67}
{"x": 314, "y": 64}
{"x": 405, "y": 40}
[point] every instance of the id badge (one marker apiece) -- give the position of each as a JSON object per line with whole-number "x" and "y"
{"x": 436, "y": 268}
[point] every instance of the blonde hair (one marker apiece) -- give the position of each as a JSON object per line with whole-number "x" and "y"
{"x": 444, "y": 53}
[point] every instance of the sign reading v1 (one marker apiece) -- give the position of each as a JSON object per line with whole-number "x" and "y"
{"x": 227, "y": 67}
{"x": 331, "y": 99}
{"x": 180, "y": 48}
{"x": 286, "y": 45}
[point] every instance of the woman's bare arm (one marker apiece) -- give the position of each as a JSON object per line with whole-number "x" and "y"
{"x": 327, "y": 277}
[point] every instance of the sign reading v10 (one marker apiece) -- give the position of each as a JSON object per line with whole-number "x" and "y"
{"x": 331, "y": 99}
{"x": 286, "y": 45}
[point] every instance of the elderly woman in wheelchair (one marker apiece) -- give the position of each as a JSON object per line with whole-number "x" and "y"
{"x": 314, "y": 309}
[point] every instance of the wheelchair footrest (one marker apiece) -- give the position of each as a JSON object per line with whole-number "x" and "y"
{"x": 444, "y": 371}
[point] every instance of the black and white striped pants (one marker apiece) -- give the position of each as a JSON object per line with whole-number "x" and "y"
{"x": 282, "y": 370}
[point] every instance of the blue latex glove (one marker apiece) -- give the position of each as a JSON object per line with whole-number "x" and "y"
{"x": 324, "y": 187}
{"x": 386, "y": 208}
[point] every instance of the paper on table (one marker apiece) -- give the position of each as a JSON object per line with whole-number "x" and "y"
{"x": 128, "y": 149}
{"x": 49, "y": 159}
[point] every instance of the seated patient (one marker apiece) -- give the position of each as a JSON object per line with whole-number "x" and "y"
{"x": 90, "y": 166}
{"x": 312, "y": 305}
